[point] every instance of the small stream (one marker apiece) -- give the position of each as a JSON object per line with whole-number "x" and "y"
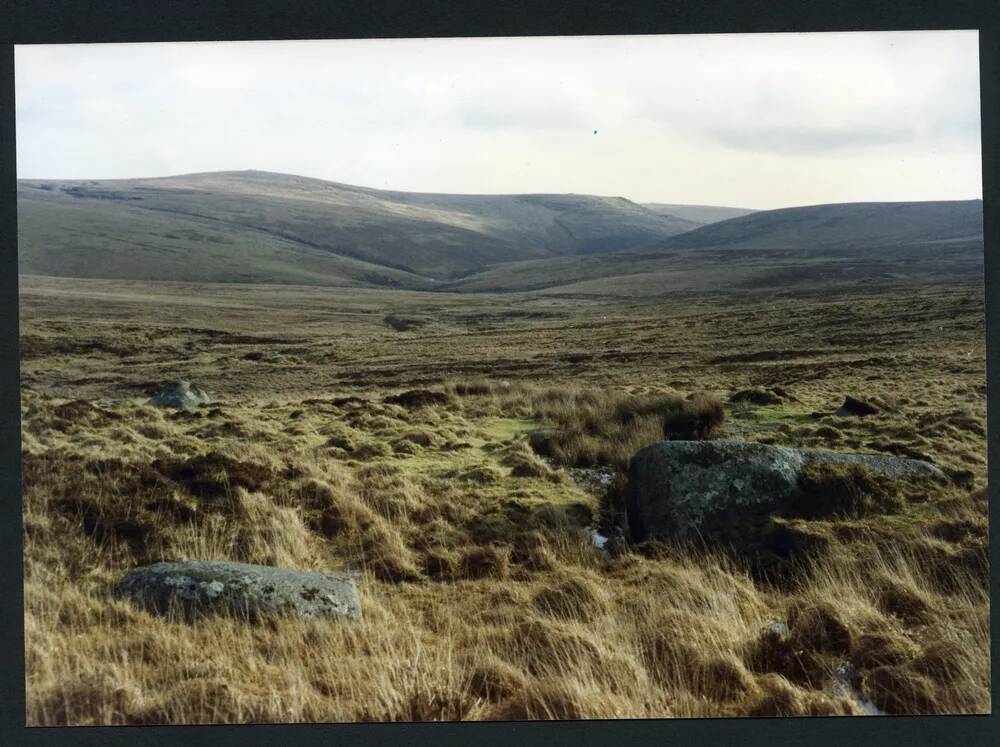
{"x": 840, "y": 682}
{"x": 596, "y": 480}
{"x": 599, "y": 540}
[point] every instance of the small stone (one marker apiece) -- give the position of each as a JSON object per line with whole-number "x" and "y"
{"x": 180, "y": 395}
{"x": 778, "y": 628}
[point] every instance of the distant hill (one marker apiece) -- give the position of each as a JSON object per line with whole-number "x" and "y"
{"x": 855, "y": 224}
{"x": 254, "y": 226}
{"x": 260, "y": 227}
{"x": 701, "y": 214}
{"x": 777, "y": 250}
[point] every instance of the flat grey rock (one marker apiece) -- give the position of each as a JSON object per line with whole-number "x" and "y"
{"x": 201, "y": 587}
{"x": 675, "y": 488}
{"x": 181, "y": 395}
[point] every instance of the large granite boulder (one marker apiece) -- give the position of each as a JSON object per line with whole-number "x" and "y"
{"x": 679, "y": 490}
{"x": 181, "y": 395}
{"x": 198, "y": 588}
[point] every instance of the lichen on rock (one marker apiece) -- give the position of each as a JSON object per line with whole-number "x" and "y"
{"x": 198, "y": 588}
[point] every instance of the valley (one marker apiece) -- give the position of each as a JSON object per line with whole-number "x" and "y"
{"x": 426, "y": 395}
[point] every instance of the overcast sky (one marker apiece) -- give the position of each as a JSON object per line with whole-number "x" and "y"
{"x": 761, "y": 121}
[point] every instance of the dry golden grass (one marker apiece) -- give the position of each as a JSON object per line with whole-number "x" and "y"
{"x": 484, "y": 596}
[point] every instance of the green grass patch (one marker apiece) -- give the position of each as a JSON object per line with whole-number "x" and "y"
{"x": 506, "y": 429}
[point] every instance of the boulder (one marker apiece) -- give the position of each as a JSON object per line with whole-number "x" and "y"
{"x": 182, "y": 395}
{"x": 679, "y": 490}
{"x": 198, "y": 588}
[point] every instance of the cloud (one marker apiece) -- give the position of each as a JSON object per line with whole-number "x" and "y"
{"x": 678, "y": 118}
{"x": 521, "y": 112}
{"x": 794, "y": 141}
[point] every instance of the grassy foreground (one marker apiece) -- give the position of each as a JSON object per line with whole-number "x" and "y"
{"x": 483, "y": 593}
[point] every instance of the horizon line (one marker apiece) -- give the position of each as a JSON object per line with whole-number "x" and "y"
{"x": 478, "y": 194}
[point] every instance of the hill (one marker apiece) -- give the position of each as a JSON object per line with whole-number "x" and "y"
{"x": 779, "y": 250}
{"x": 260, "y": 227}
{"x": 253, "y": 226}
{"x": 857, "y": 224}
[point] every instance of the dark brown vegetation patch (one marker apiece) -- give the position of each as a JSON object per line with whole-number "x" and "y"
{"x": 484, "y": 561}
{"x": 775, "y": 653}
{"x": 819, "y": 627}
{"x": 404, "y": 323}
{"x": 875, "y": 650}
{"x": 700, "y": 416}
{"x": 440, "y": 565}
{"x": 416, "y": 398}
{"x": 778, "y": 697}
{"x": 854, "y": 407}
{"x": 214, "y": 475}
{"x": 902, "y": 600}
{"x": 963, "y": 478}
{"x": 898, "y": 690}
{"x": 136, "y": 506}
{"x": 960, "y": 531}
{"x": 80, "y": 410}
{"x": 843, "y": 490}
{"x": 589, "y": 429}
{"x": 546, "y": 699}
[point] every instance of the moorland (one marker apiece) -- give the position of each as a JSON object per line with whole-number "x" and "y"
{"x": 448, "y": 420}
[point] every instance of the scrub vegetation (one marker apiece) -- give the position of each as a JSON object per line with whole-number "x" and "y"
{"x": 456, "y": 465}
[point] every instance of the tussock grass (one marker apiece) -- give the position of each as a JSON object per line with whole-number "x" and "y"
{"x": 587, "y": 427}
{"x": 845, "y": 490}
{"x": 483, "y": 595}
{"x": 484, "y": 598}
{"x": 591, "y": 429}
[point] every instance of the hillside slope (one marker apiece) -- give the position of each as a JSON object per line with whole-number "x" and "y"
{"x": 793, "y": 248}
{"x": 110, "y": 239}
{"x": 853, "y": 224}
{"x": 259, "y": 227}
{"x": 253, "y": 225}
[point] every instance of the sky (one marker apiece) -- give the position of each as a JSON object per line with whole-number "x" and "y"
{"x": 746, "y": 120}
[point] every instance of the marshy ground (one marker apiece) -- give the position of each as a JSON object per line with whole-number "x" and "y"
{"x": 483, "y": 592}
